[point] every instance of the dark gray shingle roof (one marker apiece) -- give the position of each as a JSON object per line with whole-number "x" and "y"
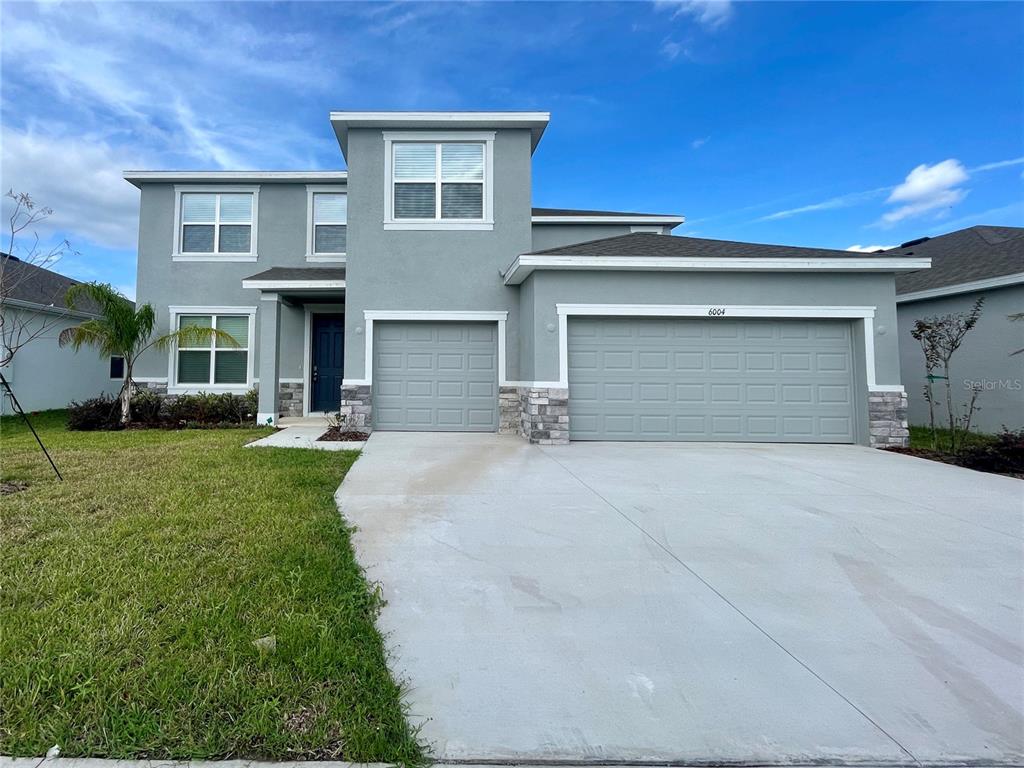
{"x": 300, "y": 273}
{"x": 568, "y": 212}
{"x": 648, "y": 244}
{"x": 963, "y": 256}
{"x": 36, "y": 285}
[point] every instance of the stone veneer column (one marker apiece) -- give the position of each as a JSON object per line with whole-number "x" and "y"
{"x": 544, "y": 415}
{"x": 290, "y": 399}
{"x": 357, "y": 406}
{"x": 887, "y": 419}
{"x": 509, "y": 411}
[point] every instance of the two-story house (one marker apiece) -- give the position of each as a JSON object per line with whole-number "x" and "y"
{"x": 420, "y": 290}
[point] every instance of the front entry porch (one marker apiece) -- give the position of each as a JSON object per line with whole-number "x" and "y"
{"x": 309, "y": 367}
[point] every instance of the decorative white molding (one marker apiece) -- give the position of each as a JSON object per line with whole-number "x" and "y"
{"x": 638, "y": 219}
{"x": 525, "y": 264}
{"x": 484, "y": 137}
{"x": 252, "y": 255}
{"x": 284, "y": 285}
{"x": 989, "y": 283}
{"x": 172, "y": 353}
{"x": 312, "y": 189}
{"x": 371, "y": 315}
{"x": 140, "y": 177}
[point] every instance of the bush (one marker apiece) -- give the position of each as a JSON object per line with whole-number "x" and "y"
{"x": 1004, "y": 454}
{"x": 103, "y": 412}
{"x": 209, "y": 409}
{"x": 146, "y": 407}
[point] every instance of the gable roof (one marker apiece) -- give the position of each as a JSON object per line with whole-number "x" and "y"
{"x": 30, "y": 284}
{"x": 963, "y": 259}
{"x": 649, "y": 244}
{"x": 648, "y": 252}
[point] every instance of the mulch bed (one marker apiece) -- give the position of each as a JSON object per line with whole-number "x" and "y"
{"x": 950, "y": 458}
{"x": 337, "y": 434}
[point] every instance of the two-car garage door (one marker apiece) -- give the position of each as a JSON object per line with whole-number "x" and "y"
{"x": 634, "y": 378}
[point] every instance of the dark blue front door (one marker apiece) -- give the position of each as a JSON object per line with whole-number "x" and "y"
{"x": 327, "y": 356}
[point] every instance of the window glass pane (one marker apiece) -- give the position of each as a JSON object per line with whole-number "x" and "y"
{"x": 201, "y": 321}
{"x": 198, "y": 207}
{"x": 234, "y": 238}
{"x": 236, "y": 208}
{"x": 414, "y": 161}
{"x": 330, "y": 208}
{"x": 193, "y": 367}
{"x": 197, "y": 238}
{"x": 329, "y": 238}
{"x": 230, "y": 367}
{"x": 462, "y": 201}
{"x": 462, "y": 162}
{"x": 237, "y": 326}
{"x": 116, "y": 367}
{"x": 414, "y": 201}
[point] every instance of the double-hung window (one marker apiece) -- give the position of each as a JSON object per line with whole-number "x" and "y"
{"x": 439, "y": 183}
{"x": 214, "y": 363}
{"x": 216, "y": 224}
{"x": 327, "y": 236}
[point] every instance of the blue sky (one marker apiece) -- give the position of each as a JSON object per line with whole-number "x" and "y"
{"x": 826, "y": 124}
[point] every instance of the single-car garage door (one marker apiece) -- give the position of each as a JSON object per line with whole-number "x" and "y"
{"x": 435, "y": 376}
{"x": 710, "y": 379}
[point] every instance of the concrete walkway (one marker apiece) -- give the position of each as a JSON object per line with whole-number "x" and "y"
{"x": 704, "y": 603}
{"x": 303, "y": 433}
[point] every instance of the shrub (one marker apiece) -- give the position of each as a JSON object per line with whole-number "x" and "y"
{"x": 209, "y": 409}
{"x": 103, "y": 412}
{"x": 146, "y": 407}
{"x": 1004, "y": 454}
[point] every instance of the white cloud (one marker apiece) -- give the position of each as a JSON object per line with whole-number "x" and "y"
{"x": 670, "y": 49}
{"x": 842, "y": 201}
{"x": 869, "y": 248}
{"x": 709, "y": 13}
{"x": 927, "y": 188}
{"x": 698, "y": 143}
{"x": 80, "y": 180}
{"x": 997, "y": 164}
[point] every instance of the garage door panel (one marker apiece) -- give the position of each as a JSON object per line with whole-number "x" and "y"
{"x": 718, "y": 381}
{"x": 435, "y": 376}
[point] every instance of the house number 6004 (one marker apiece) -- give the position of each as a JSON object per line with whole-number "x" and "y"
{"x": 716, "y": 311}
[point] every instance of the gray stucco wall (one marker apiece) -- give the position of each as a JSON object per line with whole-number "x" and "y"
{"x": 540, "y": 350}
{"x": 162, "y": 282}
{"x": 984, "y": 357}
{"x": 554, "y": 235}
{"x": 432, "y": 270}
{"x": 45, "y": 376}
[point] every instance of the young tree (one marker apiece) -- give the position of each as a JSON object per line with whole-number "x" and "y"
{"x": 940, "y": 338}
{"x": 18, "y": 328}
{"x": 127, "y": 331}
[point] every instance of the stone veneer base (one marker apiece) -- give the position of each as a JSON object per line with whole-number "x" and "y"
{"x": 289, "y": 396}
{"x": 887, "y": 419}
{"x": 357, "y": 406}
{"x": 544, "y": 415}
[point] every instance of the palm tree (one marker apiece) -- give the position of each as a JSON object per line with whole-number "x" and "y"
{"x": 124, "y": 330}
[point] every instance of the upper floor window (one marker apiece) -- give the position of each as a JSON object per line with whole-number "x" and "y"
{"x": 326, "y": 238}
{"x": 439, "y": 184}
{"x": 216, "y": 224}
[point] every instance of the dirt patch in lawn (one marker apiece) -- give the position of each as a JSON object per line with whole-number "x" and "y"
{"x": 11, "y": 487}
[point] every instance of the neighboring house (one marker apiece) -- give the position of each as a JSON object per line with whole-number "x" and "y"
{"x": 420, "y": 290}
{"x": 968, "y": 264}
{"x": 42, "y": 374}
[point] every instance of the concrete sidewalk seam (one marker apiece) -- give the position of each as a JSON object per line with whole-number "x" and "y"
{"x": 737, "y": 609}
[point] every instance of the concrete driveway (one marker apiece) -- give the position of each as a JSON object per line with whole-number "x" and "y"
{"x": 695, "y": 602}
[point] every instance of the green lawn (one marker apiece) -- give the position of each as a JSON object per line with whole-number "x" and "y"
{"x": 921, "y": 437}
{"x": 133, "y": 591}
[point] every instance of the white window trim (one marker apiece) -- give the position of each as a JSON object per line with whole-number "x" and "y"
{"x": 486, "y": 316}
{"x": 179, "y": 189}
{"x": 173, "y": 388}
{"x": 865, "y": 314}
{"x": 427, "y": 137}
{"x": 313, "y": 189}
